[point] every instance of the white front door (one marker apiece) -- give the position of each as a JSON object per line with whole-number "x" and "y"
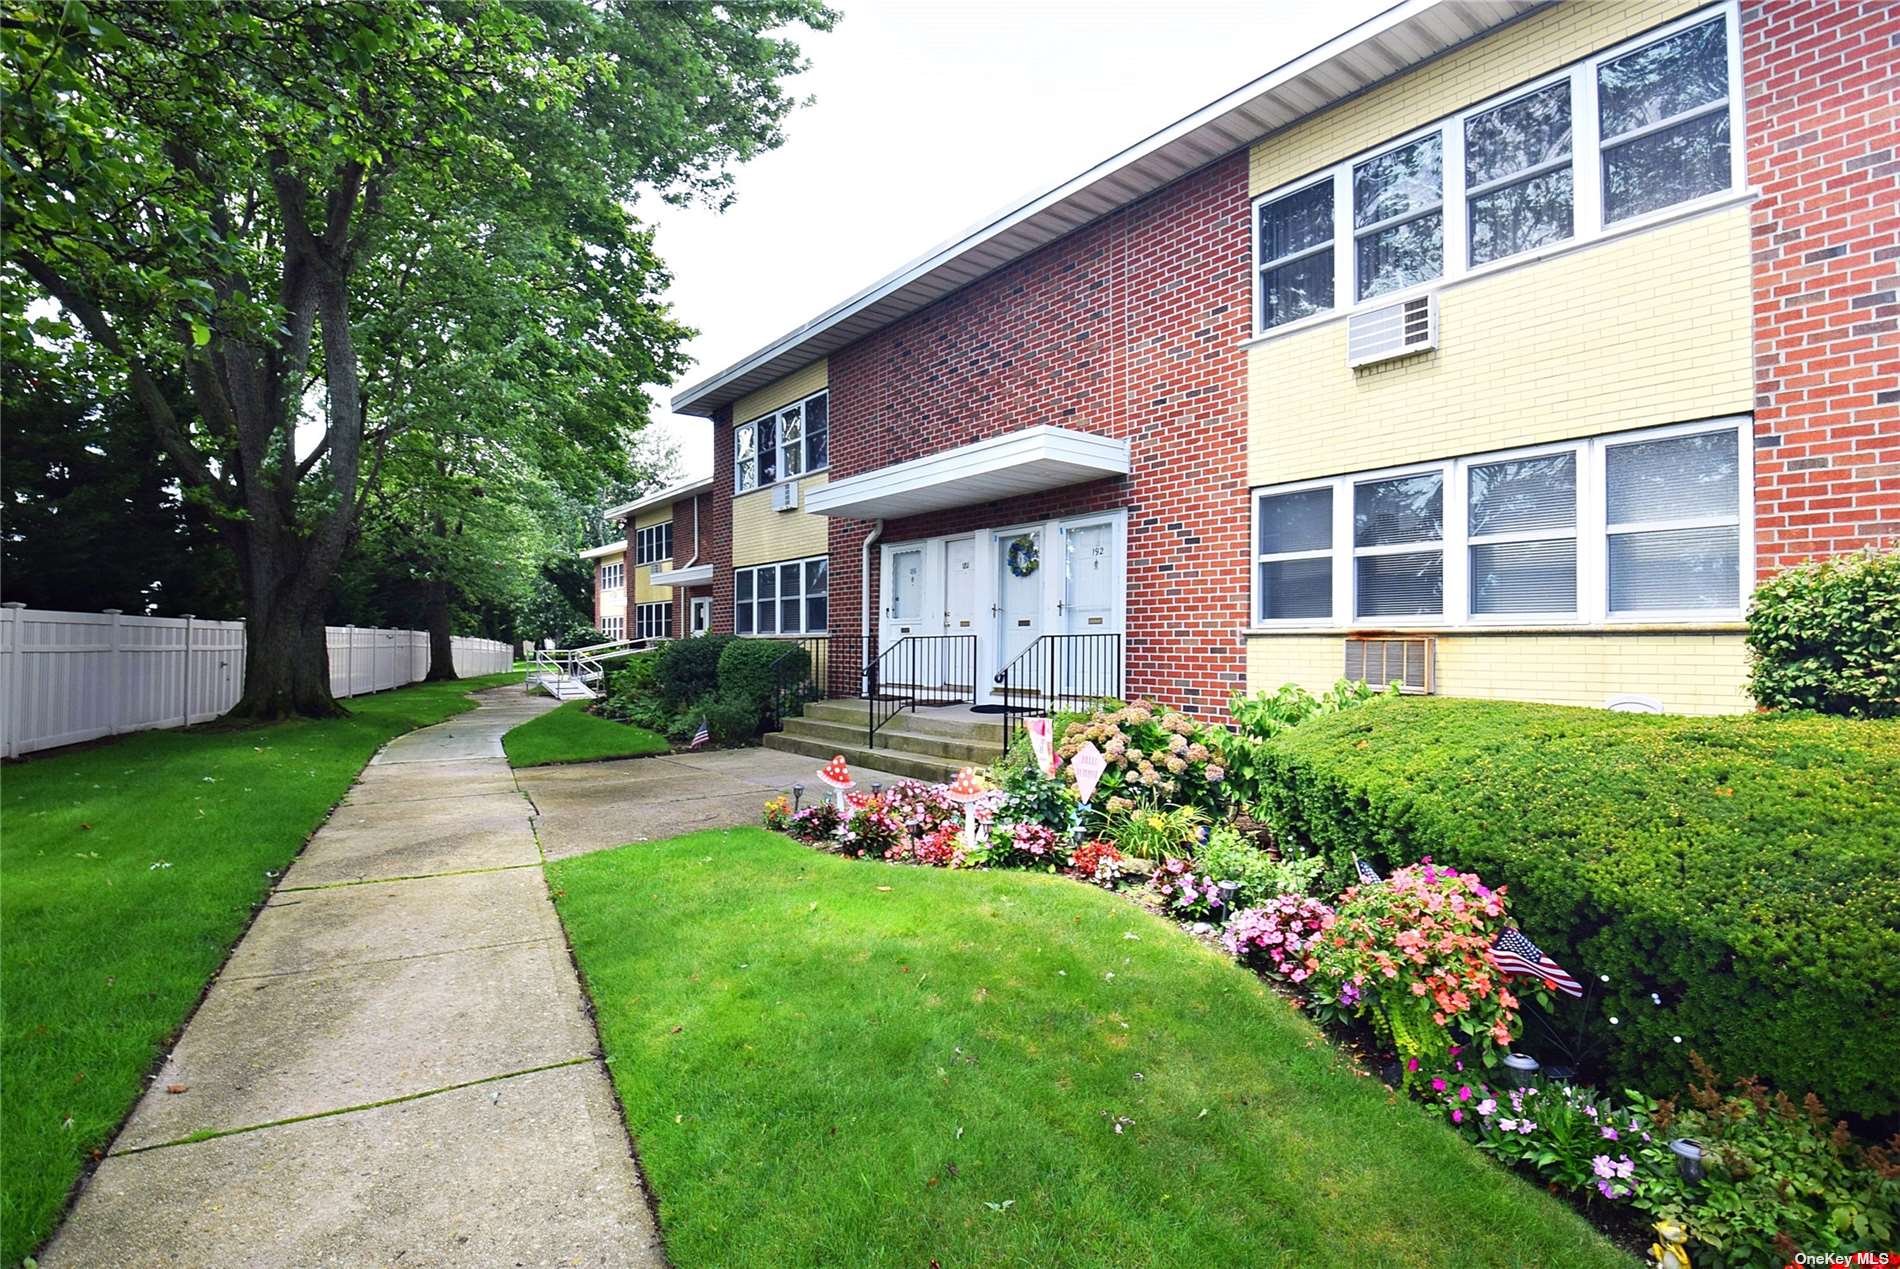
{"x": 1019, "y": 577}
{"x": 958, "y": 657}
{"x": 1091, "y": 582}
{"x": 702, "y": 614}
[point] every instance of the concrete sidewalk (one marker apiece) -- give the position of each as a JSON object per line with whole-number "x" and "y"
{"x": 596, "y": 805}
{"x": 396, "y": 1066}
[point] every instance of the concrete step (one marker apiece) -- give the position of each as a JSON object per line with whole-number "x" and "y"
{"x": 936, "y": 722}
{"x": 897, "y": 734}
{"x": 913, "y": 766}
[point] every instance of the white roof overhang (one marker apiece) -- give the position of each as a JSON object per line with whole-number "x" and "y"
{"x": 1028, "y": 461}
{"x": 698, "y": 575}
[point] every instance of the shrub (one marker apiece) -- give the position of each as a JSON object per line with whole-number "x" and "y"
{"x": 1262, "y": 716}
{"x": 1187, "y": 895}
{"x": 756, "y": 669}
{"x": 1029, "y": 797}
{"x": 689, "y": 669}
{"x": 1155, "y": 757}
{"x": 732, "y": 719}
{"x": 815, "y": 823}
{"x": 1227, "y": 856}
{"x": 1745, "y": 870}
{"x": 633, "y": 692}
{"x": 1413, "y": 955}
{"x": 1826, "y": 636}
{"x": 1096, "y": 862}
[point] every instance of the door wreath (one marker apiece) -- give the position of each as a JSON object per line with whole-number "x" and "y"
{"x": 1023, "y": 558}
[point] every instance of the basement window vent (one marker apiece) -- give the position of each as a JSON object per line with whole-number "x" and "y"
{"x": 1397, "y": 330}
{"x": 1407, "y": 662}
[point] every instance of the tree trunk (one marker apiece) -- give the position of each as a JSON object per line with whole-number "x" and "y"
{"x": 441, "y": 644}
{"x": 286, "y": 668}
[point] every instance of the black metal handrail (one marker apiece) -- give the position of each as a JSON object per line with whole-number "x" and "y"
{"x": 917, "y": 670}
{"x": 1058, "y": 673}
{"x": 797, "y": 678}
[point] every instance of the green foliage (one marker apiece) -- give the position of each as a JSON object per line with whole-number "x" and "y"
{"x": 1264, "y": 715}
{"x": 1156, "y": 833}
{"x": 1227, "y": 856}
{"x": 1155, "y": 757}
{"x": 1029, "y": 797}
{"x": 1826, "y": 636}
{"x": 756, "y": 670}
{"x": 689, "y": 669}
{"x": 1745, "y": 870}
{"x": 732, "y": 717}
{"x": 1780, "y": 1176}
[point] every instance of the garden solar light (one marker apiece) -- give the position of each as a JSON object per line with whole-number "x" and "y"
{"x": 1688, "y": 1154}
{"x": 1521, "y": 1068}
{"x": 798, "y": 795}
{"x": 876, "y": 788}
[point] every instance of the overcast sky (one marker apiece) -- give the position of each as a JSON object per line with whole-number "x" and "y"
{"x": 929, "y": 115}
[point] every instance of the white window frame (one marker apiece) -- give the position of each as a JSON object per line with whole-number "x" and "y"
{"x": 1592, "y": 536}
{"x": 748, "y": 429}
{"x": 613, "y": 576}
{"x": 1586, "y": 159}
{"x": 653, "y": 620}
{"x": 653, "y": 543}
{"x": 613, "y": 627}
{"x": 778, "y": 596}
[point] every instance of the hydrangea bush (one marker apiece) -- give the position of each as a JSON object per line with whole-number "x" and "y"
{"x": 1155, "y": 757}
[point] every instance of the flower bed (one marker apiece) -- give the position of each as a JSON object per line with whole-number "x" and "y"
{"x": 1403, "y": 965}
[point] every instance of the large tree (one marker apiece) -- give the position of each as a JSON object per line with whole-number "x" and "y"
{"x": 224, "y": 193}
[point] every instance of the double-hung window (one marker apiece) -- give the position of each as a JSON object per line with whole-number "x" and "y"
{"x": 1664, "y": 118}
{"x": 653, "y": 543}
{"x": 1636, "y": 526}
{"x": 1296, "y": 255}
{"x": 1398, "y": 217}
{"x": 1518, "y": 182}
{"x": 1590, "y": 150}
{"x": 613, "y": 576}
{"x": 790, "y": 598}
{"x": 783, "y": 445}
{"x": 653, "y": 621}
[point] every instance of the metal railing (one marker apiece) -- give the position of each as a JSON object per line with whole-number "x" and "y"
{"x": 917, "y": 670}
{"x": 585, "y": 665}
{"x": 798, "y": 678}
{"x": 1057, "y": 673}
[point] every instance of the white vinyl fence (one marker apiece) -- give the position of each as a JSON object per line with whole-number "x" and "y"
{"x": 72, "y": 676}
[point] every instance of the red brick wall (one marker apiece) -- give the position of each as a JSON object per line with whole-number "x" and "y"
{"x": 1129, "y": 328}
{"x": 717, "y": 530}
{"x": 692, "y": 546}
{"x": 1823, "y": 83}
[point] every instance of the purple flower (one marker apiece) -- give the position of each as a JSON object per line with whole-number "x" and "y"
{"x": 1602, "y": 1166}
{"x": 1609, "y": 1133}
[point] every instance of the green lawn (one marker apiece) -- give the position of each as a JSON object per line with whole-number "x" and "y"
{"x": 569, "y": 734}
{"x": 127, "y": 870}
{"x": 837, "y": 1062}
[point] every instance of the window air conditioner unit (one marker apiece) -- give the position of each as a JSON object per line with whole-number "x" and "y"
{"x": 785, "y": 496}
{"x": 1380, "y": 661}
{"x": 1397, "y": 330}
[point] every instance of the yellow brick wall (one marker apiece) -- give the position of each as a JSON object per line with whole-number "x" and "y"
{"x": 800, "y": 383}
{"x": 761, "y": 535}
{"x": 1555, "y": 37}
{"x": 1646, "y": 329}
{"x": 1700, "y": 672}
{"x": 643, "y": 590}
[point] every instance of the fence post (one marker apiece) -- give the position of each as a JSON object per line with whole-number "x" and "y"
{"x": 10, "y": 707}
{"x": 186, "y": 676}
{"x": 349, "y": 661}
{"x": 118, "y": 672}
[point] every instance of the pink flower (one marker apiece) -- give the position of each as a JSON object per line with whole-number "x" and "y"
{"x": 1457, "y": 1116}
{"x": 1464, "y": 1092}
{"x": 1609, "y": 1133}
{"x": 1411, "y": 1064}
{"x": 1438, "y": 1085}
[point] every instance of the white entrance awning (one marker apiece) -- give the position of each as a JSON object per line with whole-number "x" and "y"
{"x": 699, "y": 575}
{"x": 1025, "y": 462}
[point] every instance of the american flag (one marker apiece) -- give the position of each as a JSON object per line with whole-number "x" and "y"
{"x": 1514, "y": 954}
{"x": 1368, "y": 875}
{"x": 701, "y": 736}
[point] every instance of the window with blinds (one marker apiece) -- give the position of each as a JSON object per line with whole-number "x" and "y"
{"x": 1644, "y": 526}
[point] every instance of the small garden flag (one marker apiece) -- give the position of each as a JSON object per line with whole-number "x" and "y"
{"x": 701, "y": 736}
{"x": 1515, "y": 954}
{"x": 1368, "y": 875}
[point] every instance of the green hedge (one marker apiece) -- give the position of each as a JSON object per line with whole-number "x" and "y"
{"x": 1745, "y": 869}
{"x": 1826, "y": 636}
{"x": 754, "y": 669}
{"x": 689, "y": 669}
